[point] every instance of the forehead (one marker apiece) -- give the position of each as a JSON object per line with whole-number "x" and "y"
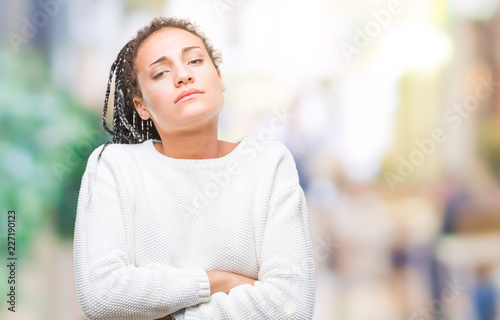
{"x": 165, "y": 42}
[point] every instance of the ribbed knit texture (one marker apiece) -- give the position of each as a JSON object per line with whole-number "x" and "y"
{"x": 148, "y": 227}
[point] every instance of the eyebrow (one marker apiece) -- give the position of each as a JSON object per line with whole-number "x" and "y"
{"x": 184, "y": 50}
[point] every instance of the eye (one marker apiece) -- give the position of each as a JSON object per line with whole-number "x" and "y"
{"x": 156, "y": 76}
{"x": 200, "y": 61}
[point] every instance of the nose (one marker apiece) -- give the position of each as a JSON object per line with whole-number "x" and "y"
{"x": 183, "y": 76}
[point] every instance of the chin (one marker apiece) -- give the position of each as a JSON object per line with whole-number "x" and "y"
{"x": 197, "y": 112}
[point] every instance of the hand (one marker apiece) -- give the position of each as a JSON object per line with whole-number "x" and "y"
{"x": 222, "y": 281}
{"x": 239, "y": 280}
{"x": 165, "y": 318}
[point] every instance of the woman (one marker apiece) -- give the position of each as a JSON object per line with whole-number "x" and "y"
{"x": 173, "y": 223}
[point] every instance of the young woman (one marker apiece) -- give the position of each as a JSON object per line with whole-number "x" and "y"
{"x": 173, "y": 223}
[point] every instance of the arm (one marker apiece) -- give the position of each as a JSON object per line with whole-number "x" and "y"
{"x": 220, "y": 281}
{"x": 107, "y": 282}
{"x": 286, "y": 285}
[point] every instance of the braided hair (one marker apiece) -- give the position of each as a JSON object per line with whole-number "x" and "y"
{"x": 127, "y": 127}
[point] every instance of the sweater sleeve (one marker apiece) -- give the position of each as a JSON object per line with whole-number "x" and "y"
{"x": 107, "y": 282}
{"x": 286, "y": 282}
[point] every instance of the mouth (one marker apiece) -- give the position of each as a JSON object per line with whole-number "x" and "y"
{"x": 188, "y": 95}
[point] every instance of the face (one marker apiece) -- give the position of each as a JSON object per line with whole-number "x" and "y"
{"x": 169, "y": 62}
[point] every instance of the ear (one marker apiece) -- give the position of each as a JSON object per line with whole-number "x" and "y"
{"x": 220, "y": 80}
{"x": 141, "y": 108}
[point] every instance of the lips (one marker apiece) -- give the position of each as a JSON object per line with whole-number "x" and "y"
{"x": 187, "y": 93}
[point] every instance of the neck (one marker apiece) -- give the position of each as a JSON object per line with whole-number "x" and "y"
{"x": 191, "y": 144}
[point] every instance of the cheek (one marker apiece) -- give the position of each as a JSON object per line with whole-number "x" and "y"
{"x": 214, "y": 83}
{"x": 152, "y": 96}
{"x": 218, "y": 88}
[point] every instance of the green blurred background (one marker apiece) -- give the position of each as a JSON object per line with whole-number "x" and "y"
{"x": 391, "y": 109}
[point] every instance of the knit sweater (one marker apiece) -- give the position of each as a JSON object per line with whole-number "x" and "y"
{"x": 149, "y": 226}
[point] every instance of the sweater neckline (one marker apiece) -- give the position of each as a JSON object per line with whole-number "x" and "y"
{"x": 193, "y": 163}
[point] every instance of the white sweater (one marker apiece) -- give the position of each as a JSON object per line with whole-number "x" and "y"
{"x": 148, "y": 227}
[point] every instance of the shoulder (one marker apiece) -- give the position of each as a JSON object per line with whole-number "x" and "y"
{"x": 111, "y": 155}
{"x": 272, "y": 150}
{"x": 275, "y": 151}
{"x": 108, "y": 168}
{"x": 277, "y": 161}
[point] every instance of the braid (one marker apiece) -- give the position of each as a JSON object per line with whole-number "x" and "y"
{"x": 108, "y": 89}
{"x": 118, "y": 133}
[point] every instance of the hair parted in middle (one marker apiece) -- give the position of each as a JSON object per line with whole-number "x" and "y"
{"x": 128, "y": 126}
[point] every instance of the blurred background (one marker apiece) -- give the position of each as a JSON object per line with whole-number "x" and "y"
{"x": 390, "y": 108}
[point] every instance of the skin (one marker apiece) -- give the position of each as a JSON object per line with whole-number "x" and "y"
{"x": 188, "y": 130}
{"x": 221, "y": 281}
